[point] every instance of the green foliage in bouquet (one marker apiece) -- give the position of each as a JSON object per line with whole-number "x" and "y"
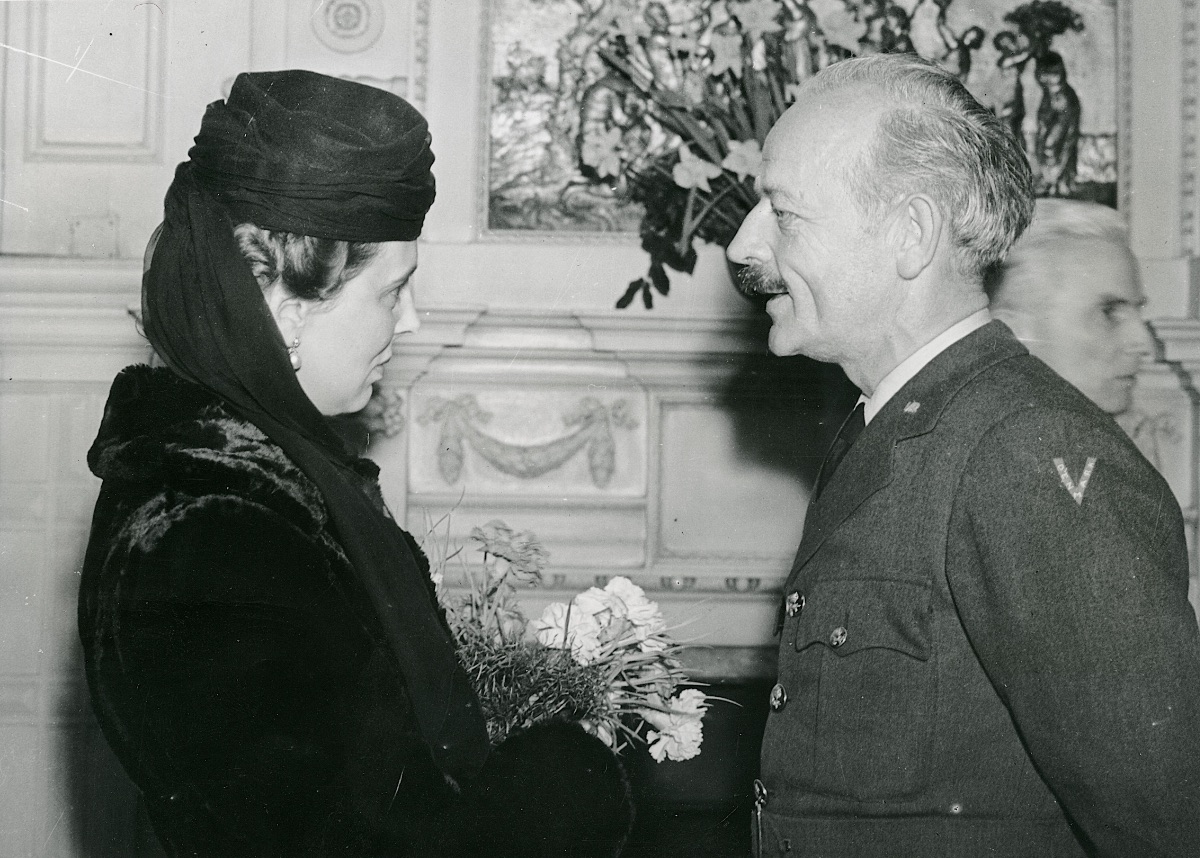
{"x": 604, "y": 660}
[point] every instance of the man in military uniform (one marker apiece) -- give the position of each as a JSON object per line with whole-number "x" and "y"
{"x": 986, "y": 646}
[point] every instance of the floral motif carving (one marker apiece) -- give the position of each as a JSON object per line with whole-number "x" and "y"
{"x": 590, "y": 426}
{"x": 349, "y": 26}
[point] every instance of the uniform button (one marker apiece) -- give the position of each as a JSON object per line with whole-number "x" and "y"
{"x": 778, "y": 697}
{"x": 956, "y": 808}
{"x": 760, "y": 793}
{"x": 837, "y": 637}
{"x": 794, "y": 604}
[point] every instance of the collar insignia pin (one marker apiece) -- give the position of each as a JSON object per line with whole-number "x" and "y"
{"x": 912, "y": 407}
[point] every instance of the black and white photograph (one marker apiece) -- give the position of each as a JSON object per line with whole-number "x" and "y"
{"x": 599, "y": 428}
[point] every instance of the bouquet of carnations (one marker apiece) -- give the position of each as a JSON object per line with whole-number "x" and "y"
{"x": 603, "y": 660}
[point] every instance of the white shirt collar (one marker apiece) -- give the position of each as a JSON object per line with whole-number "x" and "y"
{"x": 907, "y": 369}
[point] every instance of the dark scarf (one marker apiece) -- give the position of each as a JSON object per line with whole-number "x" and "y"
{"x": 206, "y": 317}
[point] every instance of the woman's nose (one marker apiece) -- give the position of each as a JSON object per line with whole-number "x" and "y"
{"x": 407, "y": 320}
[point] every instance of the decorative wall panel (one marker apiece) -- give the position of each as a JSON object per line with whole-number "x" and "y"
{"x": 717, "y": 503}
{"x": 75, "y": 113}
{"x": 541, "y": 442}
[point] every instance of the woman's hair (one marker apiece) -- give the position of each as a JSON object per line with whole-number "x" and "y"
{"x": 309, "y": 268}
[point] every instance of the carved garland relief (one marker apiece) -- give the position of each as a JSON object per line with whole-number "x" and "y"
{"x": 514, "y": 438}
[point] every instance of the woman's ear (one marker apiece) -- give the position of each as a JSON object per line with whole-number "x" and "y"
{"x": 919, "y": 230}
{"x": 288, "y": 311}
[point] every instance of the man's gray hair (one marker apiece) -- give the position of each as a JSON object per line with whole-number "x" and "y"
{"x": 936, "y": 139}
{"x": 1038, "y": 257}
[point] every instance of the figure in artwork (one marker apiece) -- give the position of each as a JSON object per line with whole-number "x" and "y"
{"x": 960, "y": 47}
{"x": 803, "y": 40}
{"x": 1014, "y": 57}
{"x": 895, "y": 37}
{"x": 602, "y": 100}
{"x": 1056, "y": 150}
{"x": 1058, "y": 128}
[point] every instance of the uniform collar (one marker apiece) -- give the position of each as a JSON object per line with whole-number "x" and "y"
{"x": 912, "y": 411}
{"x": 892, "y": 383}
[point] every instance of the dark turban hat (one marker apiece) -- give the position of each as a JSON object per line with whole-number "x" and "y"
{"x": 302, "y": 152}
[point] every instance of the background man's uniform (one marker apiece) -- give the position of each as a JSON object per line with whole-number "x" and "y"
{"x": 986, "y": 633}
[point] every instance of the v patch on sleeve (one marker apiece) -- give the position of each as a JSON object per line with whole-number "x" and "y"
{"x": 1076, "y": 489}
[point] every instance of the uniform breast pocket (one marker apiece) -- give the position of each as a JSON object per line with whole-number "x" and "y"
{"x": 876, "y": 686}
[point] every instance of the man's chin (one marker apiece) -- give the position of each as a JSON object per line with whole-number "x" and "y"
{"x": 1117, "y": 402}
{"x": 781, "y": 345}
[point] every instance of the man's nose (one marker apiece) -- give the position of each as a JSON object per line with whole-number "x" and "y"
{"x": 748, "y": 245}
{"x": 1139, "y": 340}
{"x": 407, "y": 320}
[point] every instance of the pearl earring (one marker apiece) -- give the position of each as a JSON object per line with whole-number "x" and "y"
{"x": 294, "y": 354}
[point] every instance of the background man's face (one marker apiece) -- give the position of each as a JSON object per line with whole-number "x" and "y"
{"x": 808, "y": 241}
{"x": 1091, "y": 331}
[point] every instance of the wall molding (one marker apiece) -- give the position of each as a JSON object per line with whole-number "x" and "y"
{"x": 148, "y": 149}
{"x": 1190, "y": 142}
{"x": 1124, "y": 37}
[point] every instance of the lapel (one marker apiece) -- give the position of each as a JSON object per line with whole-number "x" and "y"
{"x": 913, "y": 411}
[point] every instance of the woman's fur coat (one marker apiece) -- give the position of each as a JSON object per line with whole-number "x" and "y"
{"x": 256, "y": 710}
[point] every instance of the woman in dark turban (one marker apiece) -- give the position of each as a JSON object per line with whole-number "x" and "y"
{"x": 263, "y": 646}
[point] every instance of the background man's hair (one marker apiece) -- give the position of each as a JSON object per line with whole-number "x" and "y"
{"x": 936, "y": 139}
{"x": 1035, "y": 260}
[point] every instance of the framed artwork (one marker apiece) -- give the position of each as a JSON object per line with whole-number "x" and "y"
{"x": 578, "y": 139}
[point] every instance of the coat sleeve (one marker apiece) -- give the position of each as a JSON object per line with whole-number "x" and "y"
{"x": 1068, "y": 566}
{"x": 247, "y": 687}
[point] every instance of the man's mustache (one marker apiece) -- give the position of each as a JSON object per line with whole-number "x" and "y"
{"x": 753, "y": 279}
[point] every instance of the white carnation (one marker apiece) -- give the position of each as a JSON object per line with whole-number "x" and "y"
{"x": 680, "y": 731}
{"x": 559, "y": 625}
{"x": 630, "y": 603}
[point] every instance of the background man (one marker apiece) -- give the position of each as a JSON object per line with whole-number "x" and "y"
{"x": 986, "y": 643}
{"x": 1070, "y": 291}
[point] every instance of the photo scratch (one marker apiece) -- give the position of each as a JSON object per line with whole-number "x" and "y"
{"x": 14, "y": 205}
{"x": 17, "y": 50}
{"x": 81, "y": 56}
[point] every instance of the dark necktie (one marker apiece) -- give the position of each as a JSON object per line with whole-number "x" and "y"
{"x": 846, "y": 437}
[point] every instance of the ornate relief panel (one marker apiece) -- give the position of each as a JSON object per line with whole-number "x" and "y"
{"x": 528, "y": 442}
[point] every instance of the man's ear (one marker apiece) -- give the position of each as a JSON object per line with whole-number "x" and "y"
{"x": 288, "y": 311}
{"x": 918, "y": 232}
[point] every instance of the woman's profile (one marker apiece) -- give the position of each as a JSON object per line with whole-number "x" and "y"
{"x": 263, "y": 647}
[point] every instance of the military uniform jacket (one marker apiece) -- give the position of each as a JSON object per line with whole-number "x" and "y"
{"x": 987, "y": 647}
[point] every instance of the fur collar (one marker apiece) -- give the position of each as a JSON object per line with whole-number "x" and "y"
{"x": 163, "y": 431}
